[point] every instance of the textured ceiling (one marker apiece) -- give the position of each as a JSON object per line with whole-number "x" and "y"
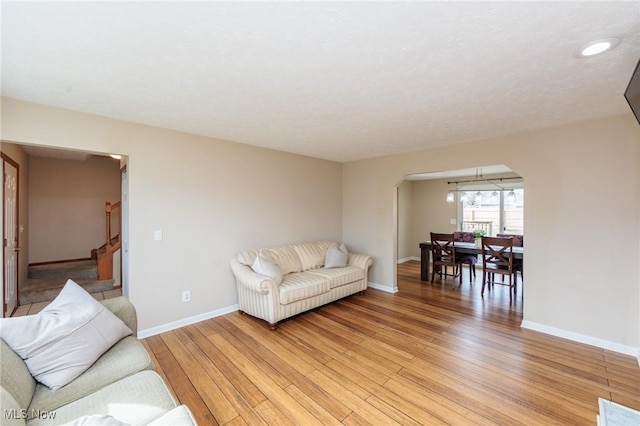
{"x": 335, "y": 80}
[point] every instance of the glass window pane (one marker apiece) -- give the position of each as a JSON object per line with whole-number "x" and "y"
{"x": 494, "y": 212}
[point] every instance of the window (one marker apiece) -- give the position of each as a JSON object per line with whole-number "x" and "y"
{"x": 495, "y": 212}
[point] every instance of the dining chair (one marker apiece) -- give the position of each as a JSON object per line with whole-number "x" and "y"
{"x": 443, "y": 256}
{"x": 518, "y": 241}
{"x": 497, "y": 258}
{"x": 464, "y": 258}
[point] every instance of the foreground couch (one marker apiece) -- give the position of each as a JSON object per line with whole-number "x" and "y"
{"x": 119, "y": 388}
{"x": 302, "y": 280}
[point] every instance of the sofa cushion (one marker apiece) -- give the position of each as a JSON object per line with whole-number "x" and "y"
{"x": 339, "y": 276}
{"x": 312, "y": 255}
{"x": 286, "y": 258}
{"x": 15, "y": 376}
{"x": 265, "y": 265}
{"x": 247, "y": 257}
{"x": 300, "y": 286}
{"x": 137, "y": 399}
{"x": 65, "y": 338}
{"x": 125, "y": 358}
{"x": 180, "y": 415}
{"x": 336, "y": 256}
{"x": 12, "y": 413}
{"x": 95, "y": 420}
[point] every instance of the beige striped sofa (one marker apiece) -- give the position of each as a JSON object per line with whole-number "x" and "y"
{"x": 306, "y": 284}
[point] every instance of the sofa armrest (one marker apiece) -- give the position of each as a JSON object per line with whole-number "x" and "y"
{"x": 359, "y": 260}
{"x": 123, "y": 309}
{"x": 252, "y": 280}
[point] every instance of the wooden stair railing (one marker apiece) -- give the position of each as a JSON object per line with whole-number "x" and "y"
{"x": 104, "y": 254}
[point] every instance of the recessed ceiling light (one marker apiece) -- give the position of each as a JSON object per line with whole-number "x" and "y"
{"x": 597, "y": 46}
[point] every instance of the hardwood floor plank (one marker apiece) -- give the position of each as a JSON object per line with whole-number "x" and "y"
{"x": 277, "y": 369}
{"x": 354, "y": 381}
{"x": 192, "y": 340}
{"x": 490, "y": 358}
{"x": 378, "y": 373}
{"x": 298, "y": 379}
{"x": 283, "y": 401}
{"x": 328, "y": 416}
{"x": 434, "y": 404}
{"x": 518, "y": 384}
{"x": 156, "y": 364}
{"x": 191, "y": 361}
{"x": 296, "y": 359}
{"x": 404, "y": 414}
{"x": 429, "y": 354}
{"x": 472, "y": 390}
{"x": 355, "y": 403}
{"x": 241, "y": 382}
{"x": 272, "y": 415}
{"x": 184, "y": 390}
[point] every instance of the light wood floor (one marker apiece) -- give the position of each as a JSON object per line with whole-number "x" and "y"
{"x": 430, "y": 354}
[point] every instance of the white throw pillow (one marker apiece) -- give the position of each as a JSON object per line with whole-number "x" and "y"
{"x": 65, "y": 338}
{"x": 336, "y": 257}
{"x": 265, "y": 265}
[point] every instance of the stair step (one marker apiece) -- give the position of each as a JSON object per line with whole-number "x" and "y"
{"x": 45, "y": 289}
{"x": 76, "y": 270}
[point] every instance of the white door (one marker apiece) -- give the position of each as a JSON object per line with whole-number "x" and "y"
{"x": 124, "y": 231}
{"x": 11, "y": 247}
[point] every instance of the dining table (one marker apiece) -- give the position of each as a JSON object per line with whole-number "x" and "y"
{"x": 466, "y": 248}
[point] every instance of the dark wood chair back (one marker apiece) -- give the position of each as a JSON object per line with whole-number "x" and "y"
{"x": 518, "y": 240}
{"x": 497, "y": 258}
{"x": 443, "y": 254}
{"x": 497, "y": 253}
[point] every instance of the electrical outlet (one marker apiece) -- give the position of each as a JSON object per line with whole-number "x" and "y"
{"x": 186, "y": 296}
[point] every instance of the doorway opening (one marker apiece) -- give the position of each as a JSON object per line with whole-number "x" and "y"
{"x": 423, "y": 205}
{"x": 71, "y": 193}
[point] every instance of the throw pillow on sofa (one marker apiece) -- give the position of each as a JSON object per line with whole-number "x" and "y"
{"x": 265, "y": 265}
{"x": 336, "y": 257}
{"x": 64, "y": 339}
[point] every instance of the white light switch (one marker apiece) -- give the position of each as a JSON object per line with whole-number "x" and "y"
{"x": 157, "y": 235}
{"x": 452, "y": 221}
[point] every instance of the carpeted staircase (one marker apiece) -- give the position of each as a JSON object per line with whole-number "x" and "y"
{"x": 45, "y": 281}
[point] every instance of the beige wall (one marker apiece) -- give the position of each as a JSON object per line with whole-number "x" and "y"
{"x": 431, "y": 211}
{"x": 19, "y": 156}
{"x": 582, "y": 191}
{"x": 422, "y": 208}
{"x": 210, "y": 198}
{"x": 405, "y": 220}
{"x": 66, "y": 206}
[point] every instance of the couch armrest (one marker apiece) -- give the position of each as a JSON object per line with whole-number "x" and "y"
{"x": 359, "y": 260}
{"x": 123, "y": 309}
{"x": 252, "y": 280}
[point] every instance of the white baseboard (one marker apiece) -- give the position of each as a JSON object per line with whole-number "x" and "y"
{"x": 581, "y": 338}
{"x": 381, "y": 287}
{"x": 142, "y": 334}
{"x": 407, "y": 259}
{"x": 186, "y": 321}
